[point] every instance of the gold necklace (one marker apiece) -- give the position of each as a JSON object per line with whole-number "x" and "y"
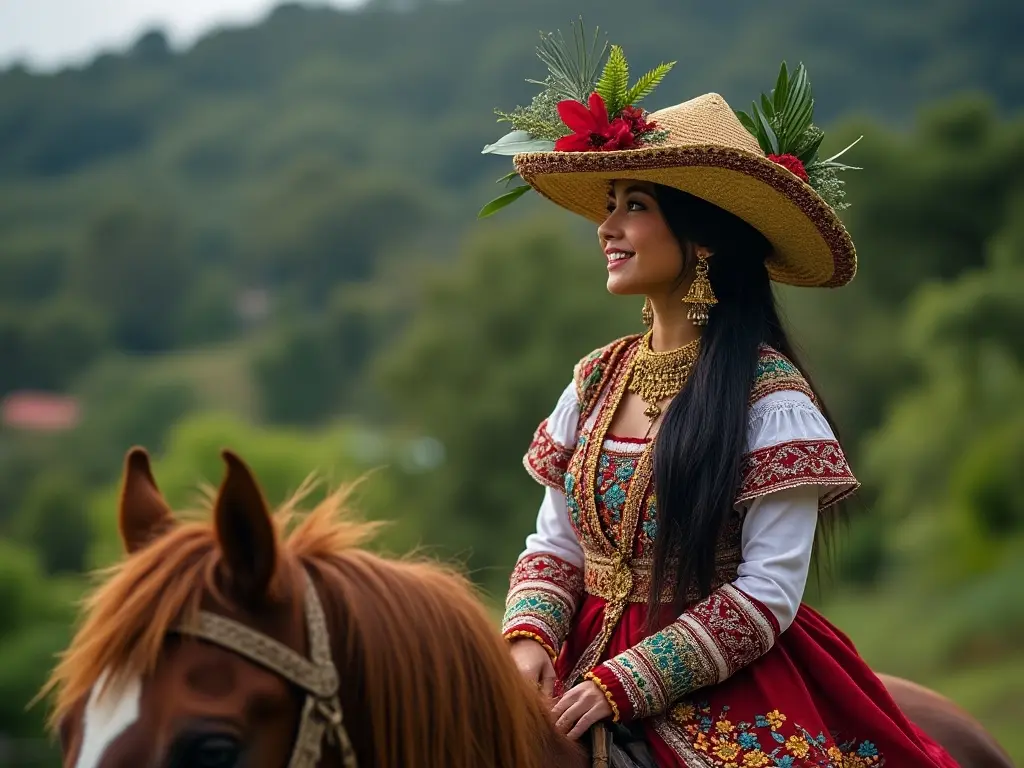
{"x": 660, "y": 375}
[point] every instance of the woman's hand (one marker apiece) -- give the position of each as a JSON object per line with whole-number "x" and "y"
{"x": 534, "y": 663}
{"x": 580, "y": 708}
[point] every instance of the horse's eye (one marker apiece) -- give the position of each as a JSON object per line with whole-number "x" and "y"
{"x": 207, "y": 751}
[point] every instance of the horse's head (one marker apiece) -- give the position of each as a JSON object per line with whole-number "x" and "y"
{"x": 235, "y": 642}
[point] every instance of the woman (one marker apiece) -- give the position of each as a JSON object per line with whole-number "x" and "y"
{"x": 686, "y": 470}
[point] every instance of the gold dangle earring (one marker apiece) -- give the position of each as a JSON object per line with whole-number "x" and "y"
{"x": 647, "y": 313}
{"x": 700, "y": 297}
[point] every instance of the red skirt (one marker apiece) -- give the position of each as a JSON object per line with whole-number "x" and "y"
{"x": 810, "y": 701}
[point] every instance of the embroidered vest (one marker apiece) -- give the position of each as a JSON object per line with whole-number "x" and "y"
{"x": 610, "y": 495}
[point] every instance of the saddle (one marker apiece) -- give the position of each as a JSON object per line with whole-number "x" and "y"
{"x": 613, "y": 745}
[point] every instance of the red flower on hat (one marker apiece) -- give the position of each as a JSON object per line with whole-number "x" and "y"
{"x": 591, "y": 129}
{"x": 791, "y": 163}
{"x": 636, "y": 118}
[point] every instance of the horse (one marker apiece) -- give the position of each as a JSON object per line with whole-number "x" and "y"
{"x": 956, "y": 731}
{"x": 276, "y": 639}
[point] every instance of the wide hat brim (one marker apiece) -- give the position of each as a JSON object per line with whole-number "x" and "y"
{"x": 811, "y": 247}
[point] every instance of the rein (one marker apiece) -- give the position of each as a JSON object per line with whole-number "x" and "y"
{"x": 321, "y": 713}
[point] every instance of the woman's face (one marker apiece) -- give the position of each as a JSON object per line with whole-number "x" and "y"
{"x": 644, "y": 256}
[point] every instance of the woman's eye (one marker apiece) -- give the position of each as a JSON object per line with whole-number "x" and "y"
{"x": 207, "y": 751}
{"x": 635, "y": 205}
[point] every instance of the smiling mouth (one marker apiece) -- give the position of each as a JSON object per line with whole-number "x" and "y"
{"x": 618, "y": 258}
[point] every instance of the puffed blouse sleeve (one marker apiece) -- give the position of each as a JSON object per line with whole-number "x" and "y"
{"x": 547, "y": 583}
{"x": 790, "y": 444}
{"x": 793, "y": 467}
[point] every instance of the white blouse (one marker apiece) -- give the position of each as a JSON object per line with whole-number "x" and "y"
{"x": 777, "y": 530}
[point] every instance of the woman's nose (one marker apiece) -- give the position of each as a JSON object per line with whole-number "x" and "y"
{"x": 609, "y": 229}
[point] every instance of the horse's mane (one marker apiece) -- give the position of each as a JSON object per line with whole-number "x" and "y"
{"x": 417, "y": 639}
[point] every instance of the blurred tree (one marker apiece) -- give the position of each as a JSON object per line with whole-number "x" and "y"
{"x": 14, "y": 350}
{"x": 30, "y": 274}
{"x": 211, "y": 311}
{"x": 153, "y": 48}
{"x": 132, "y": 266}
{"x": 298, "y": 373}
{"x": 63, "y": 338}
{"x": 122, "y": 405}
{"x": 319, "y": 225}
{"x": 34, "y": 625}
{"x": 483, "y": 361}
{"x": 46, "y": 348}
{"x": 942, "y": 459}
{"x": 52, "y": 522}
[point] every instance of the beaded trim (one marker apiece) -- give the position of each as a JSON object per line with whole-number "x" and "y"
{"x": 522, "y": 633}
{"x": 607, "y": 694}
{"x": 585, "y": 196}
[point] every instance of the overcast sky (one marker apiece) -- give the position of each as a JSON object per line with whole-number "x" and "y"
{"x": 49, "y": 33}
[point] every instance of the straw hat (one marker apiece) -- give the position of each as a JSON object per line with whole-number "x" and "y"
{"x": 710, "y": 154}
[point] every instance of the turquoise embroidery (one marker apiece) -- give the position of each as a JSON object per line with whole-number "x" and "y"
{"x": 538, "y": 604}
{"x": 648, "y": 526}
{"x": 614, "y": 474}
{"x": 570, "y": 500}
{"x": 773, "y": 367}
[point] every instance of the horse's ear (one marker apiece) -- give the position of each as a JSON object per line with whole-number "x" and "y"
{"x": 143, "y": 515}
{"x": 245, "y": 532}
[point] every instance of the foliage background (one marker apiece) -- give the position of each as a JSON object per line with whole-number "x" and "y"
{"x": 268, "y": 241}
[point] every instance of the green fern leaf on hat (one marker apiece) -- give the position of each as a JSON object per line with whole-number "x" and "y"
{"x": 614, "y": 82}
{"x": 645, "y": 86}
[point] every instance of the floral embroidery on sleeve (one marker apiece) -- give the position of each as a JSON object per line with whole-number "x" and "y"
{"x": 544, "y": 593}
{"x": 707, "y": 644}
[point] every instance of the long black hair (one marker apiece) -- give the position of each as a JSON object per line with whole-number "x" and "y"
{"x": 699, "y": 449}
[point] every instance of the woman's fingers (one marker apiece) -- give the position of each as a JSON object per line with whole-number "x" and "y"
{"x": 583, "y": 724}
{"x": 579, "y": 709}
{"x": 567, "y": 700}
{"x": 571, "y": 716}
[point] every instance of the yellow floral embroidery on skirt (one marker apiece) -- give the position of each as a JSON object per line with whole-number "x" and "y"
{"x": 764, "y": 742}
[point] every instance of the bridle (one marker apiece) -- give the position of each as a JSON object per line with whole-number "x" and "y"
{"x": 321, "y": 713}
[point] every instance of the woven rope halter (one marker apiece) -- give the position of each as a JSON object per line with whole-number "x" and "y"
{"x": 317, "y": 676}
